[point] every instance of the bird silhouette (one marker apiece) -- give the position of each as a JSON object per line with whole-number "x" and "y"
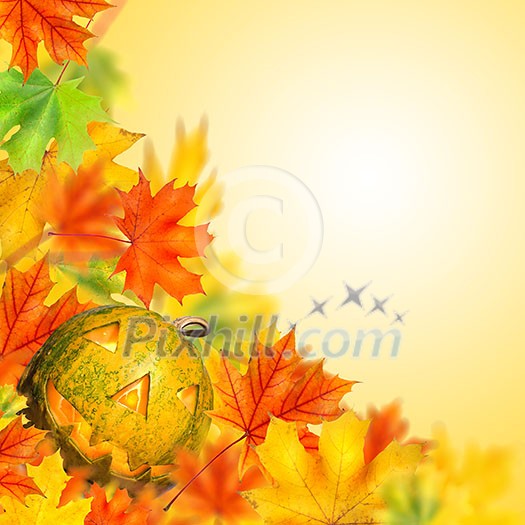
{"x": 354, "y": 296}
{"x": 399, "y": 318}
{"x": 379, "y": 305}
{"x": 318, "y": 307}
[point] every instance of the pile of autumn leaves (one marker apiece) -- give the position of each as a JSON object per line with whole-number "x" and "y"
{"x": 315, "y": 483}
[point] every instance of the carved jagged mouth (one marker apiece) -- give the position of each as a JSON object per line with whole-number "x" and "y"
{"x": 81, "y": 436}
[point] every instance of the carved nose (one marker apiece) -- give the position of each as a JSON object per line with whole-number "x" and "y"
{"x": 190, "y": 326}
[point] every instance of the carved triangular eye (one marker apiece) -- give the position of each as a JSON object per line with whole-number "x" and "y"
{"x": 105, "y": 336}
{"x": 134, "y": 396}
{"x": 64, "y": 412}
{"x": 189, "y": 396}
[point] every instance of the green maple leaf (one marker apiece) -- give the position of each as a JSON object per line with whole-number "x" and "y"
{"x": 410, "y": 501}
{"x": 45, "y": 111}
{"x": 10, "y": 403}
{"x": 96, "y": 281}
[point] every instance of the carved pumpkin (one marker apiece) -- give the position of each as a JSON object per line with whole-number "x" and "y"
{"x": 121, "y": 389}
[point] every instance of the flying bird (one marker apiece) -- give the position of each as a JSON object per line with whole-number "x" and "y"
{"x": 379, "y": 305}
{"x": 354, "y": 296}
{"x": 318, "y": 307}
{"x": 399, "y": 317}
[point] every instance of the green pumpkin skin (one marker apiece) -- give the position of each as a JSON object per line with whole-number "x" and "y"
{"x": 88, "y": 375}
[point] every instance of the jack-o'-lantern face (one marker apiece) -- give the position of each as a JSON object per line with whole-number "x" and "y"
{"x": 121, "y": 389}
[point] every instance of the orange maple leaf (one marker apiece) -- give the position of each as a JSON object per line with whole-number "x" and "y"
{"x": 158, "y": 241}
{"x": 18, "y": 444}
{"x": 77, "y": 486}
{"x": 17, "y": 485}
{"x": 25, "y": 23}
{"x": 79, "y": 210}
{"x": 271, "y": 387}
{"x": 387, "y": 425}
{"x": 25, "y": 322}
{"x": 214, "y": 493}
{"x": 119, "y": 510}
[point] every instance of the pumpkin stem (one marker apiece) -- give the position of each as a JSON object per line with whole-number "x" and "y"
{"x": 217, "y": 456}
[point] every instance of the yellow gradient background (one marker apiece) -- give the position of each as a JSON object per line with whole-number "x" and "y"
{"x": 407, "y": 122}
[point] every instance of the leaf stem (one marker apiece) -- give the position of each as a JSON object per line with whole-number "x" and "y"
{"x": 62, "y": 72}
{"x": 217, "y": 456}
{"x": 98, "y": 236}
{"x": 66, "y": 64}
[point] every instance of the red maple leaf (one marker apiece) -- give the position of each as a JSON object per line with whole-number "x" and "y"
{"x": 77, "y": 486}
{"x": 158, "y": 240}
{"x": 25, "y": 322}
{"x": 214, "y": 492}
{"x": 271, "y": 386}
{"x": 119, "y": 510}
{"x": 79, "y": 210}
{"x": 18, "y": 444}
{"x": 387, "y": 425}
{"x": 25, "y": 23}
{"x": 16, "y": 485}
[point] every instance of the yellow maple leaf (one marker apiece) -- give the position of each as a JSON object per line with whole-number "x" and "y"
{"x": 469, "y": 485}
{"x": 21, "y": 223}
{"x": 188, "y": 159}
{"x": 191, "y": 155}
{"x": 111, "y": 141}
{"x": 450, "y": 488}
{"x": 51, "y": 479}
{"x": 332, "y": 487}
